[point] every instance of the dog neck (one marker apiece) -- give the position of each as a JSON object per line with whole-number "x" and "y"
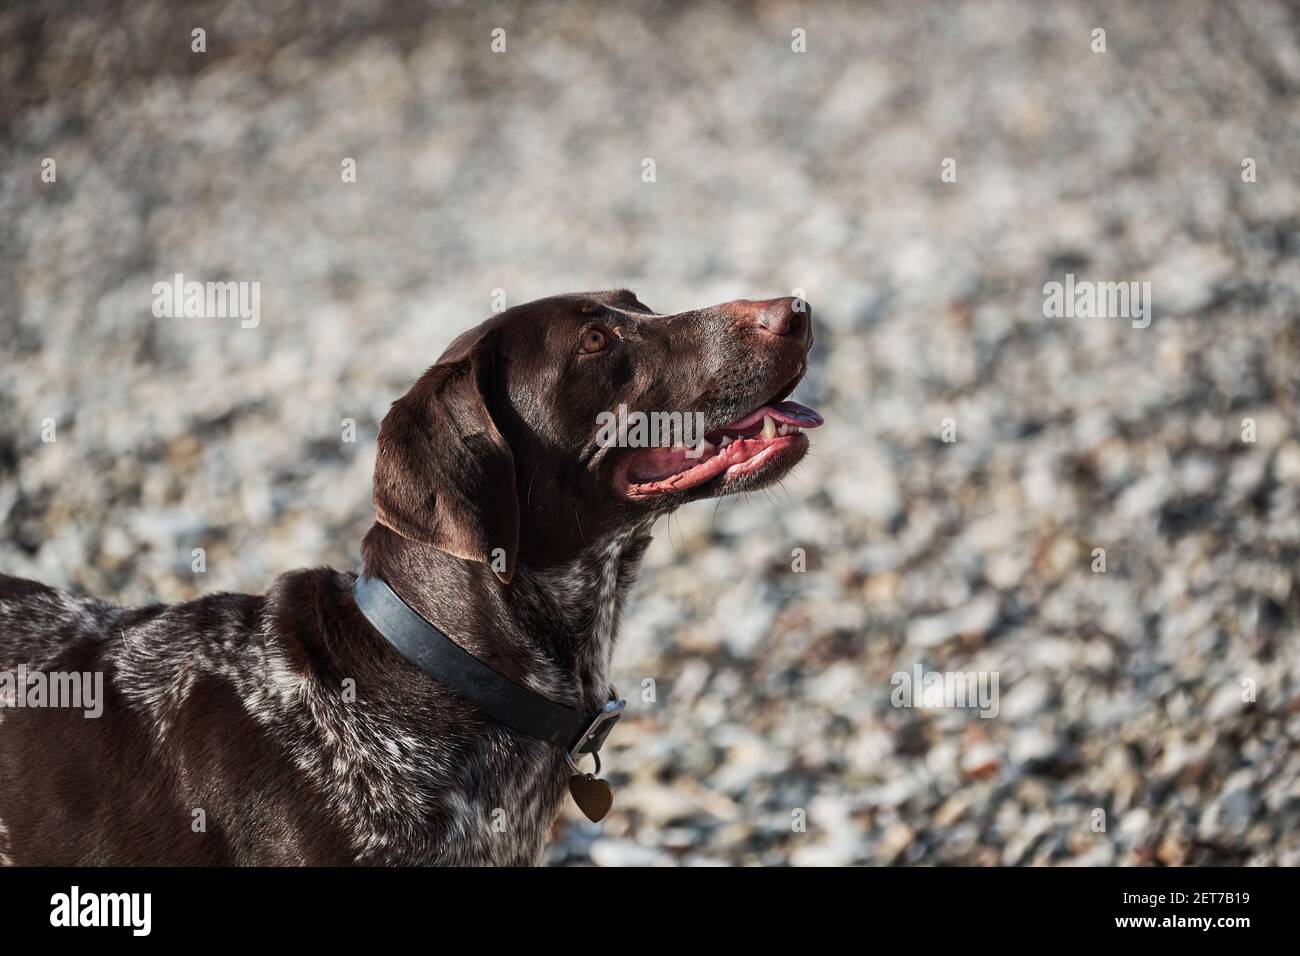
{"x": 552, "y": 628}
{"x": 584, "y": 596}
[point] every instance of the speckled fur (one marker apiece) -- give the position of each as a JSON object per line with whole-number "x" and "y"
{"x": 405, "y": 774}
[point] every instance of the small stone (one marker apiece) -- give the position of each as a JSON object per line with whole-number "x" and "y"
{"x": 981, "y": 761}
{"x": 606, "y": 852}
{"x": 973, "y": 618}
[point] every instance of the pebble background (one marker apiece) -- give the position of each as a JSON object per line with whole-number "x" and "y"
{"x": 1120, "y": 691}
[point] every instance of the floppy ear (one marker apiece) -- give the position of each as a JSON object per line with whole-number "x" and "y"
{"x": 444, "y": 475}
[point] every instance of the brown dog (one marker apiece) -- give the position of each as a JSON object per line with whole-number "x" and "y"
{"x": 285, "y": 728}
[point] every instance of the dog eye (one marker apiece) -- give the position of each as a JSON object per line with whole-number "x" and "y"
{"x": 593, "y": 340}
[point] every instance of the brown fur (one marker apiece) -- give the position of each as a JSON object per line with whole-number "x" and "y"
{"x": 235, "y": 709}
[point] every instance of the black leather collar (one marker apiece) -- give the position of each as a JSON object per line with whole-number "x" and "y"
{"x": 455, "y": 668}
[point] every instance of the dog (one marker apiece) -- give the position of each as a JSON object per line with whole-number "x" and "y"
{"x": 285, "y": 729}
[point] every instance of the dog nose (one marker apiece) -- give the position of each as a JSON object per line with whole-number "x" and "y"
{"x": 789, "y": 316}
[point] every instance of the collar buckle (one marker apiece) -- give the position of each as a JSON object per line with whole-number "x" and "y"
{"x": 593, "y": 738}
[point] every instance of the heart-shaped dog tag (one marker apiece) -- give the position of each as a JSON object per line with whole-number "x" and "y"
{"x": 593, "y": 796}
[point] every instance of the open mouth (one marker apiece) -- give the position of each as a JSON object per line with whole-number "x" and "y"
{"x": 762, "y": 441}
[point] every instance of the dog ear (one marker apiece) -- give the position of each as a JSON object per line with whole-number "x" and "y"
{"x": 444, "y": 475}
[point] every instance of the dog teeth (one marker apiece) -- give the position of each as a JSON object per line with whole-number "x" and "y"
{"x": 726, "y": 440}
{"x": 769, "y": 427}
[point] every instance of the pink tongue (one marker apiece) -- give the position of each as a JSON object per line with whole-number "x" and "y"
{"x": 792, "y": 413}
{"x": 789, "y": 413}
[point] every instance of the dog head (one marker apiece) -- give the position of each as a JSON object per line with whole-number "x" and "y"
{"x": 554, "y": 423}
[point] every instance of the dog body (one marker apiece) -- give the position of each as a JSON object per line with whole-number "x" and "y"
{"x": 284, "y": 729}
{"x": 235, "y": 706}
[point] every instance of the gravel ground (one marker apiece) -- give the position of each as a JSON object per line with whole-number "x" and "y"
{"x": 770, "y": 737}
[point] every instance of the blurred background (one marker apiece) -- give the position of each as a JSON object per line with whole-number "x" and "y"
{"x": 774, "y": 171}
